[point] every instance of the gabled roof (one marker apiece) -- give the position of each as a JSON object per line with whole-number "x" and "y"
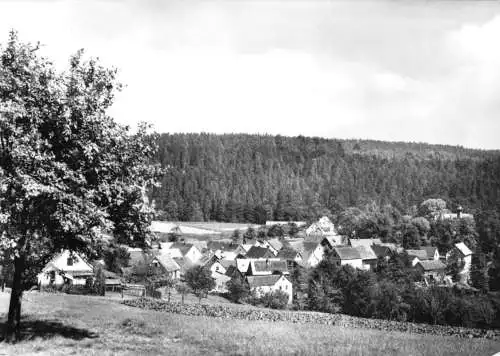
{"x": 366, "y": 252}
{"x": 259, "y": 252}
{"x": 269, "y": 266}
{"x": 390, "y": 245}
{"x": 347, "y": 253}
{"x": 263, "y": 281}
{"x": 288, "y": 254}
{"x": 275, "y": 243}
{"x": 59, "y": 263}
{"x": 464, "y": 250}
{"x": 381, "y": 251}
{"x": 168, "y": 263}
{"x": 420, "y": 254}
{"x": 432, "y": 265}
{"x": 430, "y": 250}
{"x": 184, "y": 248}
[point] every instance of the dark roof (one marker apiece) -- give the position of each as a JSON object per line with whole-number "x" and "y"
{"x": 232, "y": 271}
{"x": 259, "y": 252}
{"x": 317, "y": 238}
{"x": 432, "y": 265}
{"x": 381, "y": 251}
{"x": 263, "y": 281}
{"x": 347, "y": 253}
{"x": 288, "y": 254}
{"x": 272, "y": 266}
{"x": 430, "y": 250}
{"x": 221, "y": 245}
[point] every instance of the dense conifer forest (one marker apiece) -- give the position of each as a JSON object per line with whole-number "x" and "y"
{"x": 253, "y": 178}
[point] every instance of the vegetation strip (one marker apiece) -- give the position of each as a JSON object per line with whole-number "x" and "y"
{"x": 229, "y": 312}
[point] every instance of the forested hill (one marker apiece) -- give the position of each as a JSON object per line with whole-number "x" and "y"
{"x": 251, "y": 178}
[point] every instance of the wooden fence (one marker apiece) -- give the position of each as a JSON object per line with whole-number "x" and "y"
{"x": 137, "y": 290}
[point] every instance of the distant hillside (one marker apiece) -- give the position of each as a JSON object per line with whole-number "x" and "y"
{"x": 252, "y": 178}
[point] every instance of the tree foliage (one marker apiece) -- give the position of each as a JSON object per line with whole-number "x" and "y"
{"x": 68, "y": 172}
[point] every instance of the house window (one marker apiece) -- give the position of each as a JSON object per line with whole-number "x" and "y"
{"x": 216, "y": 268}
{"x": 69, "y": 262}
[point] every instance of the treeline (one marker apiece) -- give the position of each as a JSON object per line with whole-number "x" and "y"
{"x": 390, "y": 292}
{"x": 254, "y": 178}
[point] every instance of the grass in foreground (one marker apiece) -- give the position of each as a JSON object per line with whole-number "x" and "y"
{"x": 66, "y": 324}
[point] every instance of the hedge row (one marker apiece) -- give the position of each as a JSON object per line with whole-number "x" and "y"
{"x": 247, "y": 313}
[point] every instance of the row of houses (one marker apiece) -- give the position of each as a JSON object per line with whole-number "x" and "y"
{"x": 264, "y": 264}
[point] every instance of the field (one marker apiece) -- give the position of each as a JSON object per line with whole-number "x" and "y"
{"x": 56, "y": 324}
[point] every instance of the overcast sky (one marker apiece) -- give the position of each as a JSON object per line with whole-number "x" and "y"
{"x": 388, "y": 70}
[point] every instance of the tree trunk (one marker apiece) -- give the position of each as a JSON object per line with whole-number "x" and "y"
{"x": 13, "y": 330}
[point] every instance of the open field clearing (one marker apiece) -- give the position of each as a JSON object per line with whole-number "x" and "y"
{"x": 56, "y": 324}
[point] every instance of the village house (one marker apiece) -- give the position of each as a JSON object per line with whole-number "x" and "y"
{"x": 323, "y": 226}
{"x": 179, "y": 249}
{"x": 428, "y": 253}
{"x": 65, "y": 268}
{"x": 368, "y": 257}
{"x": 461, "y": 254}
{"x": 347, "y": 256}
{"x": 433, "y": 271}
{"x": 311, "y": 252}
{"x": 274, "y": 245}
{"x": 384, "y": 252}
{"x": 165, "y": 264}
{"x": 270, "y": 283}
{"x": 255, "y": 253}
{"x": 293, "y": 258}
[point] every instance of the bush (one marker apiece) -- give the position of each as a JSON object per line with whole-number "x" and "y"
{"x": 275, "y": 299}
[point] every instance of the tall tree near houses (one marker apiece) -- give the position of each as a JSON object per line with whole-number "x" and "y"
{"x": 68, "y": 172}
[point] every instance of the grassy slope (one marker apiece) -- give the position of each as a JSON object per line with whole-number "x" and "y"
{"x": 92, "y": 325}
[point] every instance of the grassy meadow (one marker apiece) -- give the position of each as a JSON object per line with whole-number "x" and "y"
{"x": 56, "y": 324}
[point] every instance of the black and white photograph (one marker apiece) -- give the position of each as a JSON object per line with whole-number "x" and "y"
{"x": 250, "y": 177}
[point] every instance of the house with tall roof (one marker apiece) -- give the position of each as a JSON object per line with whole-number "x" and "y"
{"x": 427, "y": 253}
{"x": 462, "y": 255}
{"x": 368, "y": 257}
{"x": 292, "y": 257}
{"x": 323, "y": 226}
{"x": 311, "y": 252}
{"x": 254, "y": 253}
{"x": 347, "y": 255}
{"x": 182, "y": 250}
{"x": 433, "y": 271}
{"x": 165, "y": 264}
{"x": 270, "y": 283}
{"x": 65, "y": 267}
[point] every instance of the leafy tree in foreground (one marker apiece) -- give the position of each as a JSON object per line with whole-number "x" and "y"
{"x": 199, "y": 279}
{"x": 68, "y": 172}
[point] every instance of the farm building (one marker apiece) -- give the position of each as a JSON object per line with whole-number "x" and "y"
{"x": 165, "y": 264}
{"x": 65, "y": 268}
{"x": 368, "y": 257}
{"x": 433, "y": 270}
{"x": 347, "y": 256}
